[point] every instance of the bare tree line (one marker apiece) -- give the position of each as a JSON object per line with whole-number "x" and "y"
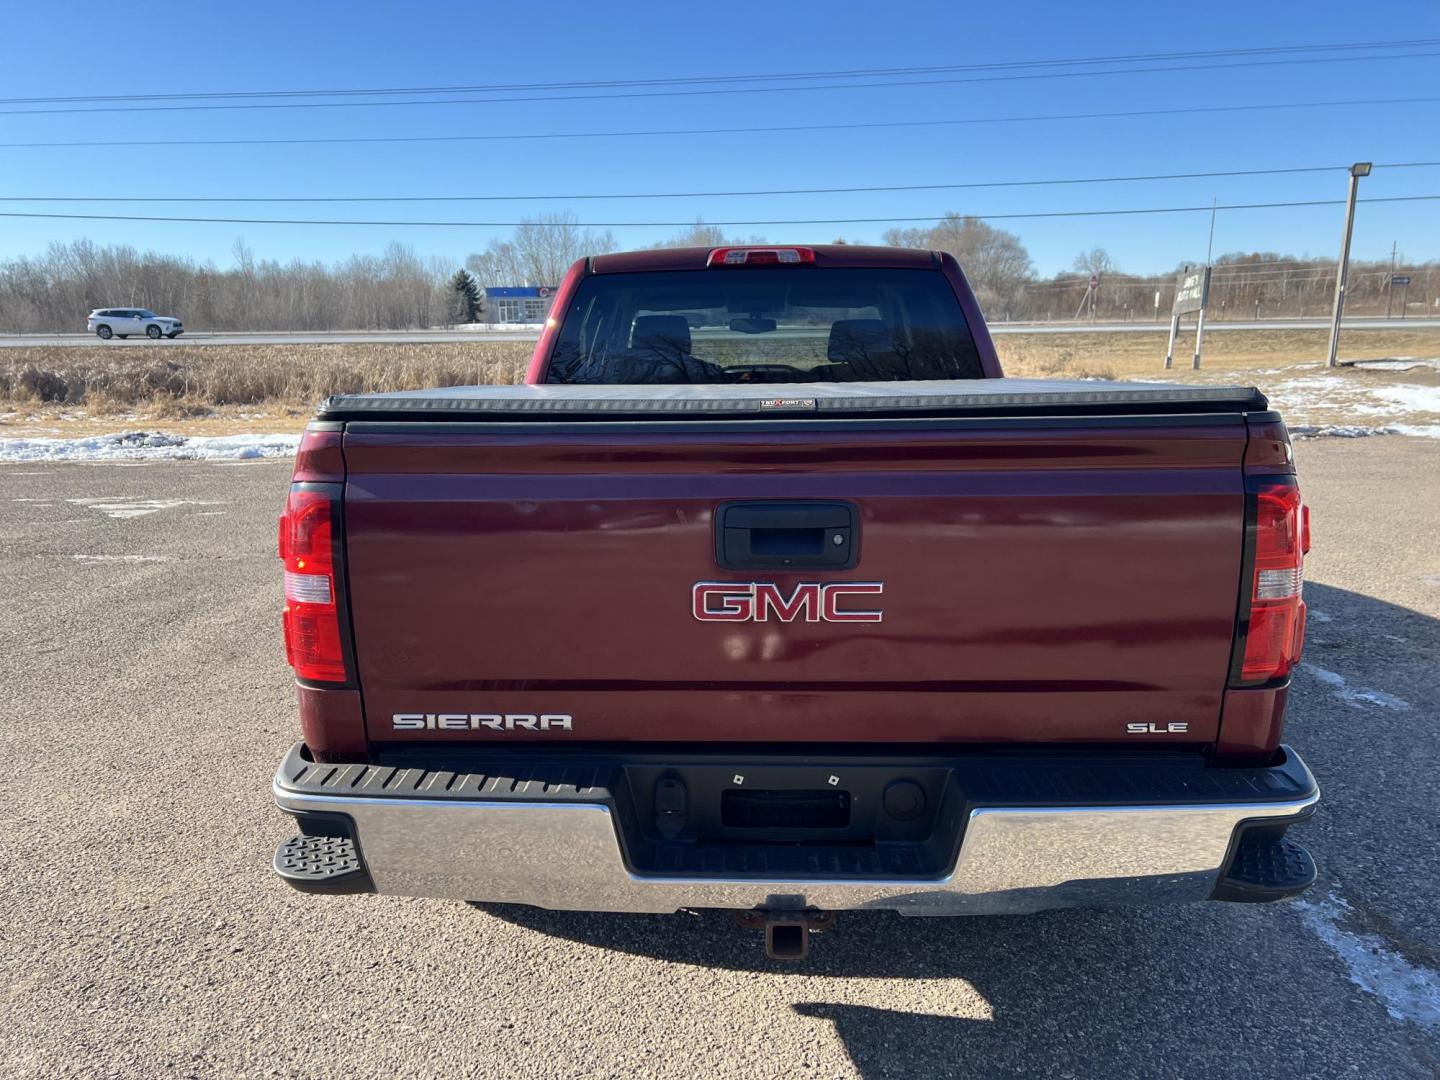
{"x": 540, "y": 251}
{"x": 995, "y": 261}
{"x": 399, "y": 289}
{"x": 55, "y": 291}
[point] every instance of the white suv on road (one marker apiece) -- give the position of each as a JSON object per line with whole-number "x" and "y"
{"x": 106, "y": 323}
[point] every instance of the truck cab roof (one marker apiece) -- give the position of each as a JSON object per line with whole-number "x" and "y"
{"x": 832, "y": 255}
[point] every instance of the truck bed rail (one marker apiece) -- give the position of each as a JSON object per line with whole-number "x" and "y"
{"x": 980, "y": 397}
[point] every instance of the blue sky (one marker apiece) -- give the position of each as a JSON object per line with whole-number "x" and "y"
{"x": 86, "y": 48}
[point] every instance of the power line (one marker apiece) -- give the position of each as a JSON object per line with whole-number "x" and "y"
{"x": 671, "y": 132}
{"x": 729, "y": 78}
{"x": 352, "y": 223}
{"x": 694, "y": 194}
{"x": 713, "y": 92}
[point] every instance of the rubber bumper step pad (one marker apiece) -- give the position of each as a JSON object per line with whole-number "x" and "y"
{"x": 322, "y": 864}
{"x": 1264, "y": 869}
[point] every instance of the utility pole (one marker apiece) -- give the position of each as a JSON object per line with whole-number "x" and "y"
{"x": 1200, "y": 318}
{"x": 1210, "y": 247}
{"x": 1359, "y": 169}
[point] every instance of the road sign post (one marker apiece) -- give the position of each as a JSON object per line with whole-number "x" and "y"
{"x": 1192, "y": 294}
{"x": 1170, "y": 346}
{"x": 1403, "y": 280}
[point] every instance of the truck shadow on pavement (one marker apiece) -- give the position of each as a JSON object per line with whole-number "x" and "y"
{"x": 1189, "y": 991}
{"x": 1203, "y": 989}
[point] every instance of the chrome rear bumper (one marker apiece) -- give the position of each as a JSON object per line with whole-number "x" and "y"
{"x": 417, "y": 839}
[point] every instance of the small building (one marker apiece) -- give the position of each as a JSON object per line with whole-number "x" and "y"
{"x": 518, "y": 303}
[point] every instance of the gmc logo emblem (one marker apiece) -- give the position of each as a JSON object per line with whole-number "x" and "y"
{"x": 761, "y": 601}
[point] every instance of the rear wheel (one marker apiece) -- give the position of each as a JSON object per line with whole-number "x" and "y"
{"x": 104, "y": 333}
{"x": 153, "y": 333}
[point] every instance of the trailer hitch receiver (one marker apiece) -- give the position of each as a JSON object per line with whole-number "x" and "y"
{"x": 787, "y": 932}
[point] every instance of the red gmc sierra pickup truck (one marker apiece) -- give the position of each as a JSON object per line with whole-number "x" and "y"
{"x": 768, "y": 592}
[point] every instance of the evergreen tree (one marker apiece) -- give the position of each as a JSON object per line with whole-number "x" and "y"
{"x": 465, "y": 297}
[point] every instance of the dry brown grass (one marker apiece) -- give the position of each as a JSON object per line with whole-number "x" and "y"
{"x": 50, "y": 390}
{"x": 1142, "y": 355}
{"x": 181, "y": 382}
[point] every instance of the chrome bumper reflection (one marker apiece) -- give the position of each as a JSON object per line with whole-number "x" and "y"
{"x": 567, "y": 856}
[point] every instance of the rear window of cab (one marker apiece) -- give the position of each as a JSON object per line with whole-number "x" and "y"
{"x": 790, "y": 324}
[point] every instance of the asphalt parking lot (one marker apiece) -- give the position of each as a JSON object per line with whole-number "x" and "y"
{"x": 144, "y": 703}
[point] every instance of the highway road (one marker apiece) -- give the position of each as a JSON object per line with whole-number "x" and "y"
{"x": 1212, "y": 325}
{"x": 357, "y": 337}
{"x": 145, "y": 703}
{"x": 349, "y": 337}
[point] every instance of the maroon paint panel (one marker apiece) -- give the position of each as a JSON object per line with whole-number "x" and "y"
{"x": 1252, "y": 721}
{"x": 331, "y": 721}
{"x": 1269, "y": 451}
{"x": 1041, "y": 583}
{"x": 319, "y": 458}
{"x": 698, "y": 258}
{"x": 540, "y": 358}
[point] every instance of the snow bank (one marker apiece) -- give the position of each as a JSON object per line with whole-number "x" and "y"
{"x": 149, "y": 446}
{"x": 533, "y": 329}
{"x": 1399, "y": 363}
{"x": 1409, "y": 398}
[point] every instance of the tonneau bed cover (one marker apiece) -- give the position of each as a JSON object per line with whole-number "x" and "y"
{"x": 981, "y": 397}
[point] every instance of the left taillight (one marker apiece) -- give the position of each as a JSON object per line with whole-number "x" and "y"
{"x": 314, "y": 643}
{"x": 1273, "y": 613}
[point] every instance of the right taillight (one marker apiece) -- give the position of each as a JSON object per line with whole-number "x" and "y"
{"x": 314, "y": 645}
{"x": 1273, "y": 613}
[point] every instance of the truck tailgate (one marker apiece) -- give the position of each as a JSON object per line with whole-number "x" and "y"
{"x": 1043, "y": 578}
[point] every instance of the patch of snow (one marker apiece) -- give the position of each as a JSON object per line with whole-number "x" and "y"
{"x": 124, "y": 509}
{"x": 1420, "y": 431}
{"x": 1370, "y": 408}
{"x": 532, "y": 329}
{"x": 1399, "y": 363}
{"x": 1339, "y": 431}
{"x": 149, "y": 446}
{"x": 1357, "y": 697}
{"x": 1409, "y": 397}
{"x": 1408, "y": 991}
{"x": 122, "y": 558}
{"x": 1360, "y": 431}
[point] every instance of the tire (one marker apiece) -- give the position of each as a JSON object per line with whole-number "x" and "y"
{"x": 153, "y": 333}
{"x": 103, "y": 332}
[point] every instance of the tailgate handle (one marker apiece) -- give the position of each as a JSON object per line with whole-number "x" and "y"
{"x": 787, "y": 535}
